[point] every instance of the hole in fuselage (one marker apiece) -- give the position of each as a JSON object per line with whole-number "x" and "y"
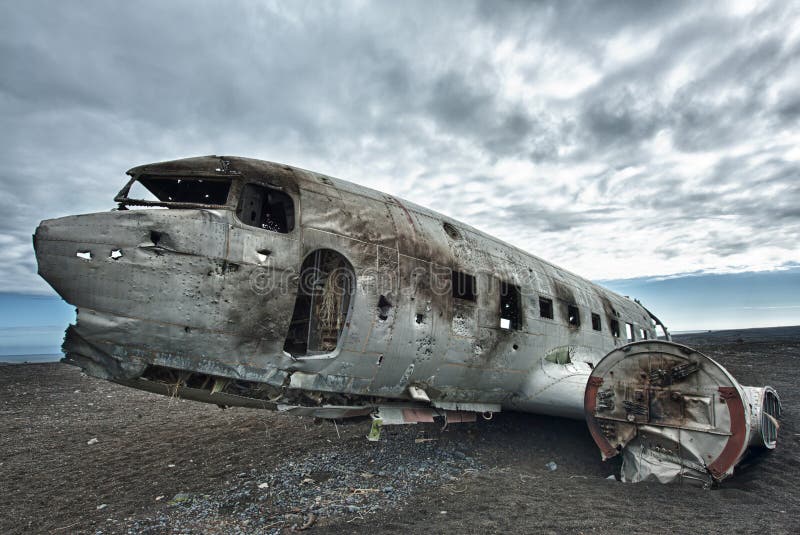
{"x": 383, "y": 308}
{"x": 451, "y": 231}
{"x": 155, "y": 237}
{"x": 86, "y": 255}
{"x": 263, "y": 254}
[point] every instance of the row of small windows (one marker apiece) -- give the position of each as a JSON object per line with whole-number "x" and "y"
{"x": 464, "y": 287}
{"x": 574, "y": 319}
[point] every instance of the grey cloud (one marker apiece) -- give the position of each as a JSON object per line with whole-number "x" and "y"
{"x": 457, "y": 102}
{"x": 464, "y": 104}
{"x": 406, "y": 96}
{"x": 787, "y": 212}
{"x": 621, "y": 117}
{"x": 578, "y": 25}
{"x": 729, "y": 87}
{"x": 728, "y": 100}
{"x": 734, "y": 188}
{"x": 789, "y": 108}
{"x": 546, "y": 219}
{"x": 47, "y": 83}
{"x": 724, "y": 247}
{"x": 668, "y": 253}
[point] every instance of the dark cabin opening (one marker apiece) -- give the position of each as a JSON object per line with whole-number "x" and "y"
{"x": 615, "y": 328}
{"x": 266, "y": 208}
{"x": 327, "y": 283}
{"x": 510, "y": 307}
{"x": 464, "y": 286}
{"x": 574, "y": 315}
{"x": 174, "y": 191}
{"x": 596, "y": 324}
{"x": 384, "y": 306}
{"x": 546, "y": 307}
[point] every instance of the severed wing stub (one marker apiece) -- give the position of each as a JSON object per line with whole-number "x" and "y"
{"x": 675, "y": 414}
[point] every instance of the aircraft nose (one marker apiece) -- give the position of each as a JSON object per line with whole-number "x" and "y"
{"x": 160, "y": 286}
{"x": 150, "y": 263}
{"x": 59, "y": 254}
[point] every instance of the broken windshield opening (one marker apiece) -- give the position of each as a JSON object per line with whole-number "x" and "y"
{"x": 266, "y": 208}
{"x": 175, "y": 192}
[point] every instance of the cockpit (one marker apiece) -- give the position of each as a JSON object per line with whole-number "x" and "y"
{"x": 256, "y": 205}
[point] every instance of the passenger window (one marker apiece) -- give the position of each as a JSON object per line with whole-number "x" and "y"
{"x": 574, "y": 315}
{"x": 629, "y": 332}
{"x": 266, "y": 208}
{"x": 615, "y": 328}
{"x": 596, "y": 325}
{"x": 464, "y": 286}
{"x": 510, "y": 309}
{"x": 546, "y": 307}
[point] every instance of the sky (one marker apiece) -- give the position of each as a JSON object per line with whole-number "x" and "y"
{"x": 633, "y": 143}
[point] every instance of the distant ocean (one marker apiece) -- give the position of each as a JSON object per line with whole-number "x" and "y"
{"x": 30, "y": 359}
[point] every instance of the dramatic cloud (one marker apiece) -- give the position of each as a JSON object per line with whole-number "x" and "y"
{"x": 618, "y": 139}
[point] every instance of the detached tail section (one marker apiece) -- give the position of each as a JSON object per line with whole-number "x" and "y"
{"x": 676, "y": 415}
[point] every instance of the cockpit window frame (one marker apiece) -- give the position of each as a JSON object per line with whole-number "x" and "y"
{"x": 124, "y": 201}
{"x": 239, "y": 198}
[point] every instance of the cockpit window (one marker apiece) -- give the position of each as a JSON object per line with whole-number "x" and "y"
{"x": 175, "y": 192}
{"x": 266, "y": 208}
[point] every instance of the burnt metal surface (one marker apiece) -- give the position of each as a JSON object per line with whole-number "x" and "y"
{"x": 244, "y": 282}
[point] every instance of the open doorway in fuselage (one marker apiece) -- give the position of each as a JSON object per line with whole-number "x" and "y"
{"x": 324, "y": 296}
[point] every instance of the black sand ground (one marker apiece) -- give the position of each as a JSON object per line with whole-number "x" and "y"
{"x": 168, "y": 466}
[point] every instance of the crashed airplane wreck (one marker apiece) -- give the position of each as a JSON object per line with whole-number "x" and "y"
{"x": 247, "y": 283}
